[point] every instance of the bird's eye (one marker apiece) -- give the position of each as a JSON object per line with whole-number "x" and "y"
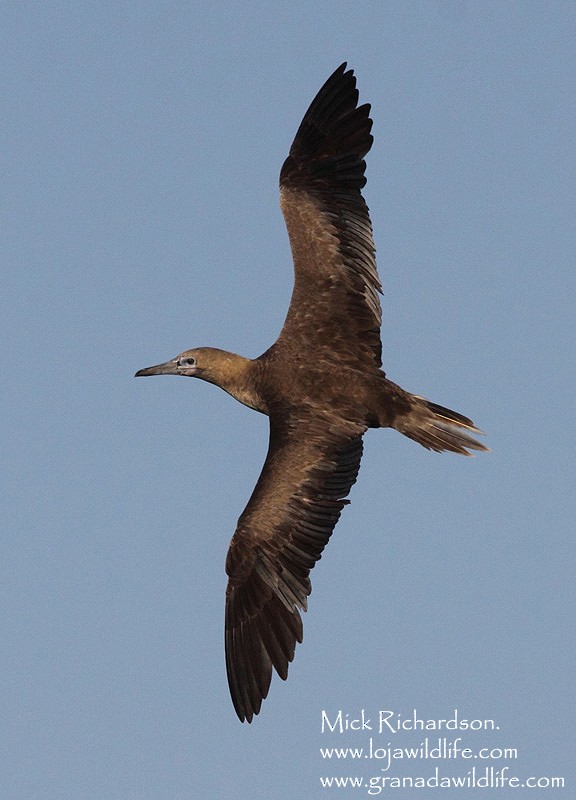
{"x": 187, "y": 362}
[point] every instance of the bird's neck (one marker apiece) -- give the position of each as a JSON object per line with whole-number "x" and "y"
{"x": 237, "y": 376}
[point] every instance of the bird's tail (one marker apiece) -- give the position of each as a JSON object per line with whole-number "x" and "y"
{"x": 438, "y": 428}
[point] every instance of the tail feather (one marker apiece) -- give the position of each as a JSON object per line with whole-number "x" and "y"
{"x": 438, "y": 428}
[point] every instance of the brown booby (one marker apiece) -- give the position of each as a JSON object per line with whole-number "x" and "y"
{"x": 321, "y": 384}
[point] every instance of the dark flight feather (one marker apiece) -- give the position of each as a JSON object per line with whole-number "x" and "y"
{"x": 335, "y": 308}
{"x": 281, "y": 534}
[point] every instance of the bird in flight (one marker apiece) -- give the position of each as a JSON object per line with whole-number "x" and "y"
{"x": 321, "y": 385}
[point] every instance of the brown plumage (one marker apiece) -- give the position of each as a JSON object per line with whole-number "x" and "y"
{"x": 321, "y": 386}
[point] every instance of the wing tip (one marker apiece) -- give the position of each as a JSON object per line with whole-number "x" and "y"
{"x": 333, "y": 126}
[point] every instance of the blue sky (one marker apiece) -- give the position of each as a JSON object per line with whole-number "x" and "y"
{"x": 141, "y": 149}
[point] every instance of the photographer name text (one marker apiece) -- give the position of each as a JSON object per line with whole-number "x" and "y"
{"x": 387, "y": 721}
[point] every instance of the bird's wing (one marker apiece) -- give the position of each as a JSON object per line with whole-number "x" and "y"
{"x": 335, "y": 305}
{"x": 311, "y": 464}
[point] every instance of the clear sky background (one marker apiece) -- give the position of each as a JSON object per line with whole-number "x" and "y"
{"x": 141, "y": 149}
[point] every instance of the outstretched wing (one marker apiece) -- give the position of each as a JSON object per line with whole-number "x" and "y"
{"x": 310, "y": 467}
{"x": 335, "y": 308}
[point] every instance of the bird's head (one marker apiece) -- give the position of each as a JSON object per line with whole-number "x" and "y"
{"x": 225, "y": 369}
{"x": 188, "y": 364}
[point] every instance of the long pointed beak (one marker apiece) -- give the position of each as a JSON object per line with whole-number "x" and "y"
{"x": 167, "y": 368}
